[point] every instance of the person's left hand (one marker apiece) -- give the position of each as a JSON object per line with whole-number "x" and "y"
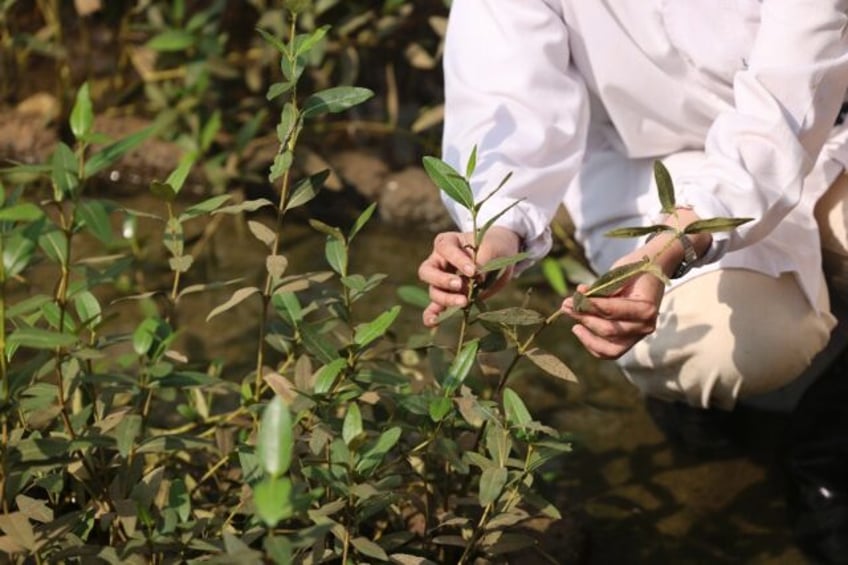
{"x": 611, "y": 325}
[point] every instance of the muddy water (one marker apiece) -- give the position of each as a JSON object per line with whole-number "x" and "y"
{"x": 633, "y": 496}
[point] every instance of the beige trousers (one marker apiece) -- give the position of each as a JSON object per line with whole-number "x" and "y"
{"x": 734, "y": 334}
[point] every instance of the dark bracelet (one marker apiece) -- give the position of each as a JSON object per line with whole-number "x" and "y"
{"x": 689, "y": 255}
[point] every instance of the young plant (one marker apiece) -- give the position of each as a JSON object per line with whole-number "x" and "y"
{"x": 615, "y": 279}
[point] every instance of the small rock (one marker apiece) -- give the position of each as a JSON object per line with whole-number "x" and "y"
{"x": 409, "y": 198}
{"x": 365, "y": 172}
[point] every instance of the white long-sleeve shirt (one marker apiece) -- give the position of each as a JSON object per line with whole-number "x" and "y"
{"x": 577, "y": 97}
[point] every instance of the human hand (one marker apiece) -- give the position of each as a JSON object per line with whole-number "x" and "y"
{"x": 609, "y": 326}
{"x": 451, "y": 264}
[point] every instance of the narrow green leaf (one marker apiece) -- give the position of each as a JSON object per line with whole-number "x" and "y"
{"x": 665, "y": 186}
{"x": 361, "y": 221}
{"x": 372, "y": 458}
{"x": 126, "y": 432}
{"x": 272, "y": 498}
{"x": 482, "y": 231}
{"x": 275, "y": 440}
{"x": 278, "y": 89}
{"x": 88, "y": 309}
{"x": 440, "y": 406}
{"x": 513, "y": 316}
{"x": 288, "y": 306}
{"x": 163, "y": 190}
{"x": 502, "y": 262}
{"x": 498, "y": 189}
{"x": 237, "y": 297}
{"x": 82, "y": 114}
{"x": 326, "y": 376}
{"x": 352, "y": 426}
{"x": 330, "y": 231}
{"x": 273, "y": 41}
{"x": 614, "y": 279}
{"x": 367, "y": 333}
{"x": 282, "y": 163}
{"x": 144, "y": 335}
{"x": 450, "y": 182}
{"x": 35, "y": 338}
{"x": 306, "y": 189}
{"x": 246, "y": 206}
{"x": 306, "y": 42}
{"x": 64, "y": 171}
{"x": 115, "y": 151}
{"x": 472, "y": 163}
{"x": 335, "y": 251}
{"x": 333, "y": 100}
{"x": 551, "y": 365}
{"x": 178, "y": 176}
{"x": 414, "y": 295}
{"x": 461, "y": 367}
{"x": 262, "y": 232}
{"x": 206, "y": 207}
{"x": 317, "y": 344}
{"x": 26, "y": 212}
{"x": 287, "y": 124}
{"x": 55, "y": 245}
{"x": 492, "y": 482}
{"x": 369, "y": 549}
{"x": 713, "y": 225}
{"x": 179, "y": 499}
{"x": 638, "y": 231}
{"x": 553, "y": 273}
{"x": 171, "y": 40}
{"x": 514, "y": 408}
{"x": 210, "y": 130}
{"x": 95, "y": 217}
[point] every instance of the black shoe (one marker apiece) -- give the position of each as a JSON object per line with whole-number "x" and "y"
{"x": 816, "y": 465}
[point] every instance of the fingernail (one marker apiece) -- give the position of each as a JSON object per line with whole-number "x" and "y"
{"x": 456, "y": 284}
{"x": 468, "y": 269}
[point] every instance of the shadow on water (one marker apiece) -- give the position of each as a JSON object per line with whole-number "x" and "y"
{"x": 631, "y": 496}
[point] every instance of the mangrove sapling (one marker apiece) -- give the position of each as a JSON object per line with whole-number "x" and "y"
{"x": 611, "y": 282}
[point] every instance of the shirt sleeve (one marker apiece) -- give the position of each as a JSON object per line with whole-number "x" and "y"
{"x": 511, "y": 91}
{"x": 785, "y": 103}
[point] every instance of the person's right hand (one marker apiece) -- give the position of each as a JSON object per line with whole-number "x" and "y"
{"x": 450, "y": 265}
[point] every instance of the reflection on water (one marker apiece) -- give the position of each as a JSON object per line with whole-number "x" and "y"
{"x": 636, "y": 499}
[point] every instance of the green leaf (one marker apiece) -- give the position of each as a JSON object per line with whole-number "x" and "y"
{"x": 616, "y": 278}
{"x": 171, "y": 40}
{"x": 334, "y": 100}
{"x": 275, "y": 440}
{"x": 94, "y": 215}
{"x": 26, "y": 212}
{"x": 450, "y": 182}
{"x": 461, "y": 367}
{"x": 372, "y": 458}
{"x": 713, "y": 225}
{"x": 126, "y": 432}
{"x": 18, "y": 250}
{"x": 482, "y": 231}
{"x": 163, "y": 190}
{"x": 181, "y": 264}
{"x": 361, "y": 221}
{"x": 330, "y": 231}
{"x": 326, "y": 376}
{"x": 206, "y": 207}
{"x": 514, "y": 408}
{"x": 287, "y": 124}
{"x": 638, "y": 231}
{"x": 288, "y": 306}
{"x": 665, "y": 186}
{"x": 492, "y": 482}
{"x": 88, "y": 308}
{"x": 82, "y": 114}
{"x": 115, "y": 151}
{"x": 237, "y": 297}
{"x": 335, "y": 252}
{"x": 246, "y": 206}
{"x": 262, "y": 232}
{"x": 282, "y": 163}
{"x": 279, "y": 88}
{"x": 414, "y": 295}
{"x": 472, "y": 163}
{"x": 273, "y": 41}
{"x": 367, "y": 333}
{"x": 306, "y": 189}
{"x": 35, "y": 338}
{"x": 209, "y": 131}
{"x": 317, "y": 344}
{"x": 369, "y": 549}
{"x": 279, "y": 549}
{"x": 178, "y": 176}
{"x": 55, "y": 245}
{"x": 352, "y": 426}
{"x": 179, "y": 499}
{"x": 64, "y": 171}
{"x": 501, "y": 262}
{"x": 440, "y": 406}
{"x": 551, "y": 365}
{"x": 144, "y": 335}
{"x": 553, "y": 273}
{"x": 306, "y": 42}
{"x": 272, "y": 498}
{"x": 513, "y": 316}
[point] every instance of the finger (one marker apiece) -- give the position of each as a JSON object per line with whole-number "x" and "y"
{"x": 431, "y": 273}
{"x": 616, "y": 329}
{"x": 617, "y": 308}
{"x": 451, "y": 248}
{"x": 447, "y": 299}
{"x": 598, "y": 346}
{"x": 430, "y": 316}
